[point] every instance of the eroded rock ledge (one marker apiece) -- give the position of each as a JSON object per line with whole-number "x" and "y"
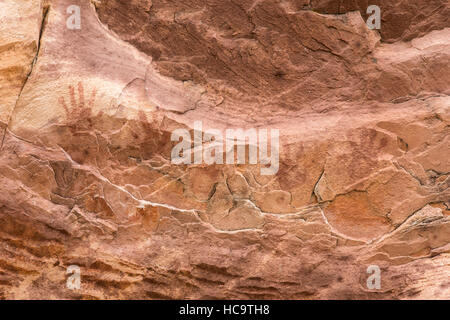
{"x": 86, "y": 118}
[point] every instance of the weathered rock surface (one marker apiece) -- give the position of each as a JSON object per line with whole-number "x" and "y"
{"x": 86, "y": 177}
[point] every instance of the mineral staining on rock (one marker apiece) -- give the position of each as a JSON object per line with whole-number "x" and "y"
{"x": 86, "y": 171}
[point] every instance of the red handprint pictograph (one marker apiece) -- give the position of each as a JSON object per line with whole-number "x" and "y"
{"x": 81, "y": 109}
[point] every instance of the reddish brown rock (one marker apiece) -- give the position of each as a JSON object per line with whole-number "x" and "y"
{"x": 86, "y": 175}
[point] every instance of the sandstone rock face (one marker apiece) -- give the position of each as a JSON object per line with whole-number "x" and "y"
{"x": 87, "y": 176}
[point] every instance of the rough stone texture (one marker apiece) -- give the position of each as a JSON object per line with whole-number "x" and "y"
{"x": 18, "y": 48}
{"x": 85, "y": 172}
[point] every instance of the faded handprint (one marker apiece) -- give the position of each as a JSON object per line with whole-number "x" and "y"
{"x": 365, "y": 154}
{"x": 81, "y": 109}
